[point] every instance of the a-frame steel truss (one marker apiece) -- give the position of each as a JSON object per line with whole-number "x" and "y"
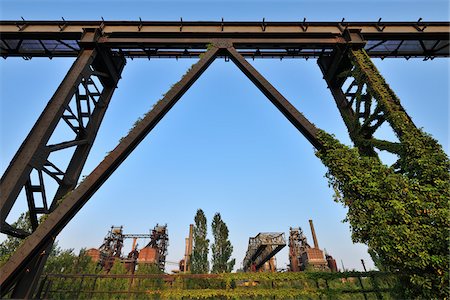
{"x": 83, "y": 97}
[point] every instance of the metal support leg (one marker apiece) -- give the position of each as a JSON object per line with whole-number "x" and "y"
{"x": 33, "y": 153}
{"x": 363, "y": 99}
{"x": 69, "y": 206}
{"x": 86, "y": 132}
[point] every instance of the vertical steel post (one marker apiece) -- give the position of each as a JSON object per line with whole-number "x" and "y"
{"x": 66, "y": 210}
{"x": 112, "y": 67}
{"x": 33, "y": 152}
{"x": 366, "y": 102}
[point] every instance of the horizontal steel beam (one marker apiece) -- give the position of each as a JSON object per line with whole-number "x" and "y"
{"x": 184, "y": 39}
{"x": 199, "y": 27}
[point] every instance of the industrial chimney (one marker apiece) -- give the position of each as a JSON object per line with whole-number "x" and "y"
{"x": 313, "y": 232}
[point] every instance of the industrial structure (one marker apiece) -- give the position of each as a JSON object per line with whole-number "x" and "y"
{"x": 261, "y": 249}
{"x": 101, "y": 49}
{"x": 185, "y": 263}
{"x": 110, "y": 251}
{"x": 303, "y": 256}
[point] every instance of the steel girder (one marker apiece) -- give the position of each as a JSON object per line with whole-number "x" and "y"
{"x": 262, "y": 247}
{"x": 100, "y": 60}
{"x": 355, "y": 86}
{"x": 80, "y": 102}
{"x": 151, "y": 39}
{"x": 39, "y": 242}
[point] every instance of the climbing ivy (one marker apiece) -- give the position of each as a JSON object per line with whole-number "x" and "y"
{"x": 401, "y": 213}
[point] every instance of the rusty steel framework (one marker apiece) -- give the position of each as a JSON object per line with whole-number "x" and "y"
{"x": 297, "y": 245}
{"x": 111, "y": 249}
{"x": 262, "y": 248}
{"x": 159, "y": 239}
{"x": 101, "y": 49}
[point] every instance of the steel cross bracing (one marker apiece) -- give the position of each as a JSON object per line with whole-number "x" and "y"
{"x": 261, "y": 248}
{"x": 80, "y": 102}
{"x": 152, "y": 39}
{"x": 83, "y": 96}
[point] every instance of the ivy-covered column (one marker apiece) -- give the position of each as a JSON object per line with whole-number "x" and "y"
{"x": 401, "y": 212}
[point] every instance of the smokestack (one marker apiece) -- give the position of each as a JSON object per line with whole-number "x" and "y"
{"x": 191, "y": 233}
{"x": 188, "y": 251}
{"x": 186, "y": 255}
{"x": 134, "y": 244}
{"x": 313, "y": 232}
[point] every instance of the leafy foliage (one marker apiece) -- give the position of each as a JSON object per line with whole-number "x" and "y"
{"x": 8, "y": 246}
{"x": 199, "y": 260}
{"x": 222, "y": 248}
{"x": 290, "y": 285}
{"x": 402, "y": 214}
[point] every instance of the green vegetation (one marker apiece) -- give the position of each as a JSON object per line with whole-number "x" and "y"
{"x": 199, "y": 260}
{"x": 222, "y": 248}
{"x": 304, "y": 285}
{"x": 401, "y": 213}
{"x": 8, "y": 246}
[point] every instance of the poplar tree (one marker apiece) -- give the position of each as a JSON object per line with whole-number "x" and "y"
{"x": 199, "y": 259}
{"x": 222, "y": 248}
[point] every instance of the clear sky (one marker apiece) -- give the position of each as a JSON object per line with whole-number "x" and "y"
{"x": 223, "y": 147}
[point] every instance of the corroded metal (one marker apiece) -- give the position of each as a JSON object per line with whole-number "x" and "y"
{"x": 262, "y": 248}
{"x": 150, "y": 39}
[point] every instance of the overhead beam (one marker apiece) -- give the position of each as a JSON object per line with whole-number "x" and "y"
{"x": 384, "y": 39}
{"x": 72, "y": 28}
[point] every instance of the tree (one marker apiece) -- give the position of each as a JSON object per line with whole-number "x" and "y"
{"x": 10, "y": 245}
{"x": 199, "y": 260}
{"x": 222, "y": 248}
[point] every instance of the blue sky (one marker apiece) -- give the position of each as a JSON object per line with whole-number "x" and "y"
{"x": 223, "y": 147}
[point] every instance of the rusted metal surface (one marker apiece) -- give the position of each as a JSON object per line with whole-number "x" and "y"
{"x": 313, "y": 233}
{"x": 297, "y": 245}
{"x": 262, "y": 248}
{"x": 91, "y": 101}
{"x": 253, "y": 39}
{"x": 159, "y": 241}
{"x": 361, "y": 112}
{"x": 302, "y": 255}
{"x": 33, "y": 151}
{"x": 62, "y": 214}
{"x": 101, "y": 48}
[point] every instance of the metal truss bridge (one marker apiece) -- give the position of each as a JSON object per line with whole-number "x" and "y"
{"x": 101, "y": 49}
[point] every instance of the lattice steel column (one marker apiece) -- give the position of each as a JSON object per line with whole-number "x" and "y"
{"x": 364, "y": 100}
{"x": 66, "y": 210}
{"x": 80, "y": 102}
{"x": 90, "y": 100}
